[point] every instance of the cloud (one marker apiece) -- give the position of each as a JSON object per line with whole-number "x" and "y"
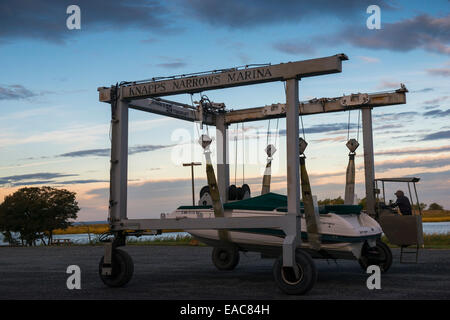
{"x": 385, "y": 84}
{"x": 413, "y": 151}
{"x": 423, "y": 31}
{"x": 422, "y": 90}
{"x": 293, "y": 47}
{"x": 172, "y": 65}
{"x": 147, "y": 148}
{"x": 436, "y": 162}
{"x": 436, "y": 100}
{"x": 79, "y": 133}
{"x": 42, "y": 178}
{"x": 87, "y": 153}
{"x": 437, "y": 113}
{"x": 445, "y": 72}
{"x": 24, "y": 179}
{"x": 394, "y": 117}
{"x": 106, "y": 151}
{"x": 368, "y": 59}
{"x": 46, "y": 19}
{"x": 321, "y": 128}
{"x": 15, "y": 92}
{"x": 252, "y": 13}
{"x": 332, "y": 139}
{"x": 81, "y": 181}
{"x": 437, "y": 135}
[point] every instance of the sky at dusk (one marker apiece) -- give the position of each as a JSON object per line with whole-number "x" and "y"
{"x": 55, "y": 131}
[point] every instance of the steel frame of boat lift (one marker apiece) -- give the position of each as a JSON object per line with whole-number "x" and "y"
{"x": 135, "y": 95}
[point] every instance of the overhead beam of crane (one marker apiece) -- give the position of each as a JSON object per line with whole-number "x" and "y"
{"x": 227, "y": 78}
{"x": 316, "y": 106}
{"x": 278, "y": 110}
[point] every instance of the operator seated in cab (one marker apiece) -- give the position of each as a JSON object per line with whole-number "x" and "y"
{"x": 402, "y": 203}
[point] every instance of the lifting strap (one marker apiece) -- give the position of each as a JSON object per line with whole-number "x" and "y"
{"x": 311, "y": 215}
{"x": 205, "y": 141}
{"x": 352, "y": 145}
{"x": 270, "y": 150}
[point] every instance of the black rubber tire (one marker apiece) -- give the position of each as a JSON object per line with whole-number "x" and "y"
{"x": 380, "y": 255}
{"x": 232, "y": 192}
{"x": 285, "y": 278}
{"x": 122, "y": 269}
{"x": 225, "y": 258}
{"x": 246, "y": 188}
{"x": 239, "y": 193}
{"x": 204, "y": 190}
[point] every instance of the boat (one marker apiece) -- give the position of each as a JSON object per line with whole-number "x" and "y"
{"x": 346, "y": 231}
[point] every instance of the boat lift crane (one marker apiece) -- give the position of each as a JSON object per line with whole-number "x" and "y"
{"x": 146, "y": 96}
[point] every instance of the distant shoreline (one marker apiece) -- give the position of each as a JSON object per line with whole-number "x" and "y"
{"x": 99, "y": 227}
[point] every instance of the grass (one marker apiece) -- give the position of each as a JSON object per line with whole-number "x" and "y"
{"x": 431, "y": 241}
{"x": 90, "y": 228}
{"x": 179, "y": 240}
{"x": 436, "y": 216}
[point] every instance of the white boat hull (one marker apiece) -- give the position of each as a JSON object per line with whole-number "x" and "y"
{"x": 342, "y": 235}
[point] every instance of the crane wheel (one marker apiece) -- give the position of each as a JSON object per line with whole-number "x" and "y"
{"x": 204, "y": 190}
{"x": 225, "y": 258}
{"x": 379, "y": 255}
{"x": 293, "y": 284}
{"x": 246, "y": 189}
{"x": 122, "y": 269}
{"x": 232, "y": 192}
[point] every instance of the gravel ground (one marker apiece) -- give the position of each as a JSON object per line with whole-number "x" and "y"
{"x": 182, "y": 272}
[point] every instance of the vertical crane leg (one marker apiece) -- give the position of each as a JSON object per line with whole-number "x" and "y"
{"x": 292, "y": 239}
{"x": 369, "y": 166}
{"x": 223, "y": 166}
{"x": 118, "y": 173}
{"x": 294, "y": 271}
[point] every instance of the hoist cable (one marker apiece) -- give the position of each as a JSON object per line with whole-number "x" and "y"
{"x": 235, "y": 153}
{"x": 276, "y": 133}
{"x": 348, "y": 126}
{"x": 195, "y": 118}
{"x": 243, "y": 154}
{"x": 357, "y": 134}
{"x": 303, "y": 128}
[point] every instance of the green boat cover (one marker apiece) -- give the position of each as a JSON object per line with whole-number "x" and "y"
{"x": 273, "y": 201}
{"x": 194, "y": 207}
{"x": 266, "y": 202}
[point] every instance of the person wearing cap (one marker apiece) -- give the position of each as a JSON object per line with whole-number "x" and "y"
{"x": 403, "y": 203}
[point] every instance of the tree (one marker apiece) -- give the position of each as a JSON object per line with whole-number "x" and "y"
{"x": 422, "y": 206}
{"x": 329, "y": 201}
{"x": 363, "y": 203}
{"x": 35, "y": 212}
{"x": 435, "y": 206}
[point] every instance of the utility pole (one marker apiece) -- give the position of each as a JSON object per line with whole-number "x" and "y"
{"x": 192, "y": 164}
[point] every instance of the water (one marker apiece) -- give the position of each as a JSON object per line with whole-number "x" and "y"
{"x": 83, "y": 238}
{"x": 436, "y": 227}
